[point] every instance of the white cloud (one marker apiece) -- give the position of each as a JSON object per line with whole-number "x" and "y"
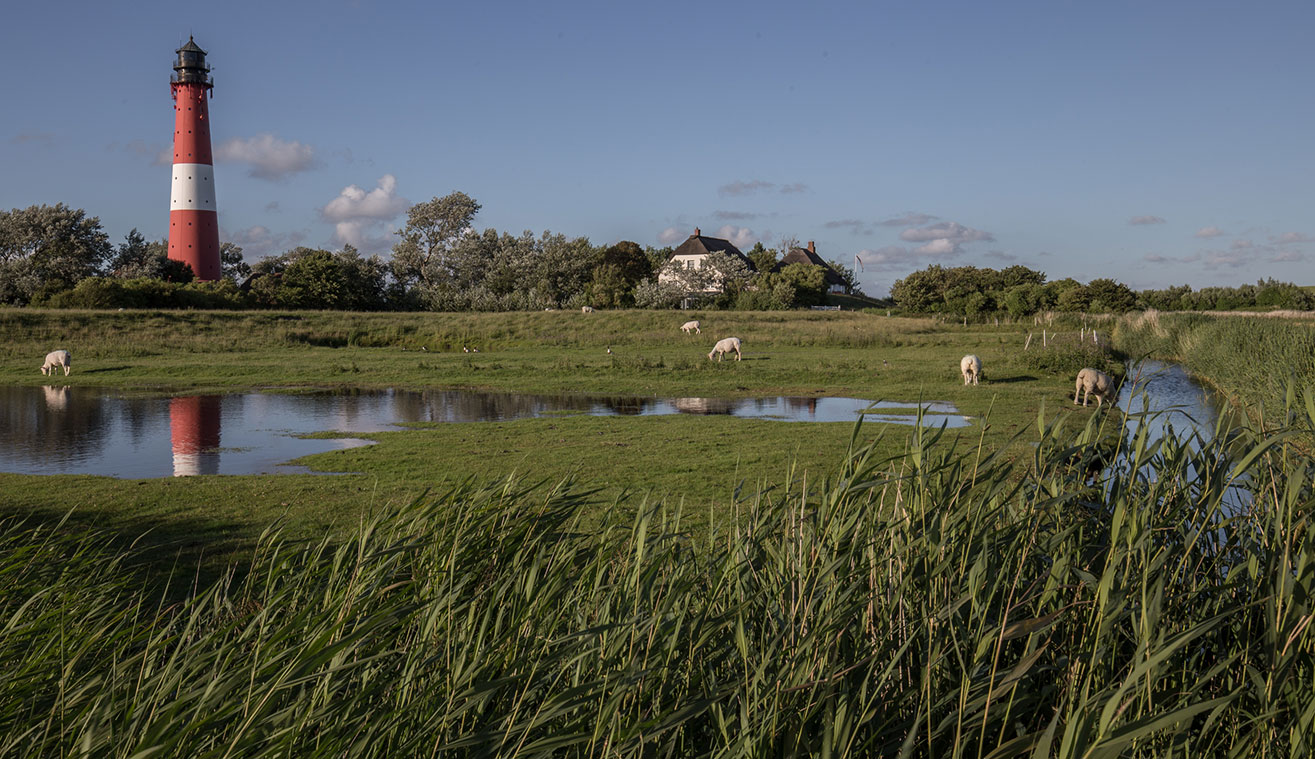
{"x": 855, "y": 226}
{"x": 740, "y": 237}
{"x": 1242, "y": 245}
{"x": 939, "y": 247}
{"x": 897, "y": 258}
{"x": 1207, "y": 232}
{"x": 1288, "y": 238}
{"x": 670, "y": 236}
{"x": 359, "y": 216}
{"x": 910, "y": 219}
{"x": 1138, "y": 221}
{"x": 268, "y": 156}
{"x": 735, "y": 215}
{"x": 949, "y": 230}
{"x": 794, "y": 187}
{"x": 944, "y": 238}
{"x": 1287, "y": 256}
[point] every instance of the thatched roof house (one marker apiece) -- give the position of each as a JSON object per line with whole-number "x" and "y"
{"x": 692, "y": 253}
{"x": 834, "y": 282}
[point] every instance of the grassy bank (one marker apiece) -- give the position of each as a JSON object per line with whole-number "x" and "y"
{"x": 1254, "y": 359}
{"x": 934, "y": 603}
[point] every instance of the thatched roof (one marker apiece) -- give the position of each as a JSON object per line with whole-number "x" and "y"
{"x": 809, "y": 256}
{"x": 702, "y": 245}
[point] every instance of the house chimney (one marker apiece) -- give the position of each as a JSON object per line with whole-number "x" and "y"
{"x": 697, "y": 232}
{"x": 811, "y": 249}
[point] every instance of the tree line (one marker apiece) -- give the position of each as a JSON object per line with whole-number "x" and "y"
{"x": 1020, "y": 291}
{"x": 59, "y": 256}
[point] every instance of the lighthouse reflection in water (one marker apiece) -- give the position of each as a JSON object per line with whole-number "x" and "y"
{"x": 194, "y": 433}
{"x": 83, "y": 430}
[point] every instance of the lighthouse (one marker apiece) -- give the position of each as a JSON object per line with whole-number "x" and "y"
{"x": 193, "y": 216}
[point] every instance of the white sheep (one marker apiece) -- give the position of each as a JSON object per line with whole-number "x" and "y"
{"x": 971, "y": 368}
{"x": 1093, "y": 382}
{"x": 56, "y": 359}
{"x": 693, "y": 326}
{"x": 726, "y": 346}
{"x": 586, "y": 309}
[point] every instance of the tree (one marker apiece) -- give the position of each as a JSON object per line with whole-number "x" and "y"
{"x": 432, "y": 230}
{"x": 48, "y": 249}
{"x": 763, "y": 258}
{"x": 313, "y": 278}
{"x": 630, "y": 260}
{"x": 233, "y": 266}
{"x": 1108, "y": 296}
{"x": 808, "y": 282}
{"x": 138, "y": 259}
{"x": 1012, "y": 276}
{"x": 922, "y": 291}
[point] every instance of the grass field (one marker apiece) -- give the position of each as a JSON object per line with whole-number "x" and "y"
{"x": 699, "y": 460}
{"x": 662, "y": 586}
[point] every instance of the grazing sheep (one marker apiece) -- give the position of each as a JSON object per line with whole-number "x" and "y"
{"x": 971, "y": 368}
{"x": 1093, "y": 382}
{"x": 55, "y": 359}
{"x": 586, "y": 309}
{"x": 687, "y": 327}
{"x": 726, "y": 346}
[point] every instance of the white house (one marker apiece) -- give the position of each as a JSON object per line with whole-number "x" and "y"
{"x": 693, "y": 254}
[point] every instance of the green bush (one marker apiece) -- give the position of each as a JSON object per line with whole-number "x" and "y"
{"x": 104, "y": 292}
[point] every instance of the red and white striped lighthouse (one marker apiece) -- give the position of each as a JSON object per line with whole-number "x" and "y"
{"x": 193, "y": 216}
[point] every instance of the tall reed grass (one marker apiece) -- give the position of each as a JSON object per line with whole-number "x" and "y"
{"x": 939, "y": 603}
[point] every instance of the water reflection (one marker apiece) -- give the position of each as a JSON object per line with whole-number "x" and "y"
{"x": 72, "y": 430}
{"x": 194, "y": 434}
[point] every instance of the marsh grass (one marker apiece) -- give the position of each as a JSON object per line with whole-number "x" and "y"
{"x": 944, "y": 601}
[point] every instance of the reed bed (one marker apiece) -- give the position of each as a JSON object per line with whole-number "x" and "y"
{"x": 937, "y": 603}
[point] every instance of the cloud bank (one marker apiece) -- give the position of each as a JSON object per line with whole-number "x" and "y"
{"x": 740, "y": 188}
{"x": 359, "y": 217}
{"x": 267, "y": 156}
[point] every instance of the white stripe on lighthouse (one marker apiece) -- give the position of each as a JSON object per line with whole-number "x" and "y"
{"x": 193, "y": 187}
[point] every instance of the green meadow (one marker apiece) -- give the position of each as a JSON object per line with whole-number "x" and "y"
{"x": 672, "y": 586}
{"x": 699, "y": 460}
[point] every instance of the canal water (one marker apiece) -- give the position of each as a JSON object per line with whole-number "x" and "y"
{"x": 72, "y": 430}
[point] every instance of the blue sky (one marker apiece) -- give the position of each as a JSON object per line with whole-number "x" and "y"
{"x": 1157, "y": 143}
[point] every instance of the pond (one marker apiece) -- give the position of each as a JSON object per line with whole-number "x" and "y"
{"x": 73, "y": 430}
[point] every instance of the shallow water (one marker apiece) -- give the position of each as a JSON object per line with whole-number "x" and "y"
{"x": 72, "y": 430}
{"x": 1166, "y": 399}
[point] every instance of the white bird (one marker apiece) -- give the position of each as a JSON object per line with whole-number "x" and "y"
{"x": 474, "y": 350}
{"x": 609, "y": 350}
{"x": 885, "y": 363}
{"x": 423, "y": 348}
{"x": 464, "y": 349}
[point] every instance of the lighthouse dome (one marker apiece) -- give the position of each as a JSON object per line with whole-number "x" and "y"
{"x": 190, "y": 66}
